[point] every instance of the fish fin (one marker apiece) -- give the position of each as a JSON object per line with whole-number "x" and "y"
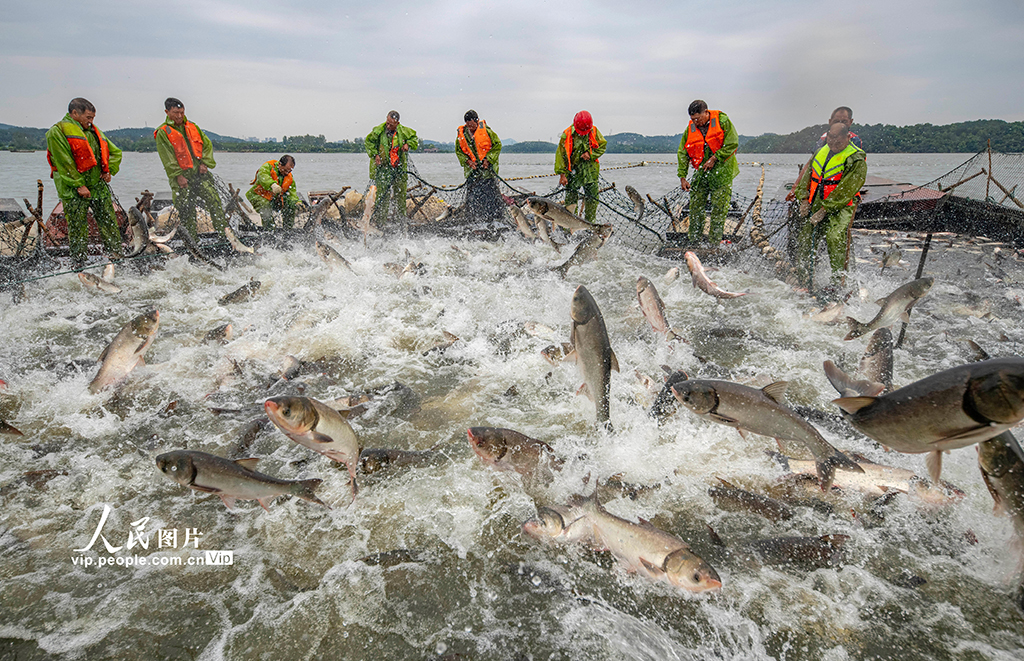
{"x": 570, "y": 357}
{"x": 782, "y": 459}
{"x": 776, "y": 392}
{"x": 317, "y": 437}
{"x": 248, "y": 464}
{"x": 997, "y": 507}
{"x": 977, "y": 434}
{"x": 103, "y": 356}
{"x": 934, "y": 463}
{"x": 826, "y": 473}
{"x": 880, "y": 302}
{"x": 652, "y": 569}
{"x": 853, "y": 404}
{"x": 584, "y": 390}
{"x": 229, "y": 501}
{"x": 305, "y": 489}
{"x": 615, "y": 362}
{"x": 725, "y": 420}
{"x": 856, "y": 328}
{"x": 905, "y": 317}
{"x": 715, "y": 539}
{"x": 264, "y": 502}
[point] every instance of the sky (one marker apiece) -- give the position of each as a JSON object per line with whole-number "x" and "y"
{"x": 270, "y": 69}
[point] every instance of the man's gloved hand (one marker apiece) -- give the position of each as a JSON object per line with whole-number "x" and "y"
{"x": 818, "y": 216}
{"x": 276, "y": 189}
{"x": 805, "y": 208}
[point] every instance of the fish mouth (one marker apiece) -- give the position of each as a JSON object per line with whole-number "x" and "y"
{"x": 271, "y": 407}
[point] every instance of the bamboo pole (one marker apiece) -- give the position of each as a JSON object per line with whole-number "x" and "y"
{"x": 989, "y": 180}
{"x": 1008, "y": 193}
{"x": 963, "y": 181}
{"x": 920, "y": 270}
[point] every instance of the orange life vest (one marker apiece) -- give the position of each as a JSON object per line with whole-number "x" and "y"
{"x": 285, "y": 185}
{"x": 827, "y": 171}
{"x": 181, "y": 149}
{"x": 81, "y": 150}
{"x": 568, "y": 144}
{"x": 393, "y": 153}
{"x": 695, "y": 140}
{"x": 481, "y": 140}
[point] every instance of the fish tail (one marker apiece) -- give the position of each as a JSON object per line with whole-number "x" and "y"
{"x": 856, "y": 328}
{"x": 782, "y": 459}
{"x": 827, "y": 467}
{"x": 306, "y": 490}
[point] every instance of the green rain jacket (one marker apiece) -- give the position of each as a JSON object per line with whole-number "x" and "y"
{"x": 855, "y": 170}
{"x": 725, "y": 160}
{"x": 584, "y": 172}
{"x": 167, "y": 157}
{"x": 377, "y": 143}
{"x": 265, "y": 178}
{"x": 492, "y": 155}
{"x": 67, "y": 179}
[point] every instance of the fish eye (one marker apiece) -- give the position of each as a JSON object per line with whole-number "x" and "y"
{"x": 174, "y": 468}
{"x": 696, "y": 577}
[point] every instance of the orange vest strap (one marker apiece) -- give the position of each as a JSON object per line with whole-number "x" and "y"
{"x": 695, "y": 140}
{"x": 285, "y": 185}
{"x": 182, "y": 151}
{"x": 568, "y": 144}
{"x": 481, "y": 140}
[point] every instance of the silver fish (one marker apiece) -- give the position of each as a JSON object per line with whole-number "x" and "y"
{"x": 653, "y": 308}
{"x": 638, "y": 202}
{"x": 671, "y": 275}
{"x": 948, "y": 410}
{"x": 558, "y": 214}
{"x": 126, "y": 350}
{"x": 876, "y": 363}
{"x": 140, "y": 231}
{"x": 761, "y": 412}
{"x": 373, "y": 460}
{"x": 521, "y": 222}
{"x": 730, "y": 497}
{"x": 243, "y": 293}
{"x": 332, "y": 257}
{"x": 318, "y": 427}
{"x": 561, "y": 525}
{"x": 232, "y": 480}
{"x": 1003, "y": 472}
{"x": 108, "y": 272}
{"x": 895, "y": 307}
{"x": 593, "y": 351}
{"x": 586, "y": 251}
{"x": 544, "y": 234}
{"x": 222, "y": 333}
{"x": 648, "y": 550}
{"x": 99, "y": 284}
{"x": 236, "y": 243}
{"x": 702, "y": 281}
{"x": 509, "y": 450}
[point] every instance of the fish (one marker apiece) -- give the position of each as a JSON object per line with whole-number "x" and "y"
{"x": 126, "y": 350}
{"x": 108, "y": 272}
{"x": 761, "y": 412}
{"x": 373, "y": 460}
{"x": 671, "y": 275}
{"x": 537, "y": 329}
{"x": 876, "y": 363}
{"x": 243, "y": 293}
{"x": 332, "y": 257}
{"x": 232, "y": 480}
{"x": 951, "y": 409}
{"x": 162, "y": 239}
{"x": 849, "y": 387}
{"x": 653, "y": 308}
{"x": 638, "y": 202}
{"x": 8, "y": 429}
{"x": 665, "y": 403}
{"x": 446, "y": 341}
{"x": 521, "y": 223}
{"x": 894, "y": 307}
{"x": 823, "y": 551}
{"x": 828, "y": 314}
{"x": 222, "y": 333}
{"x": 1003, "y": 473}
{"x": 555, "y": 353}
{"x": 545, "y": 235}
{"x": 236, "y": 243}
{"x": 365, "y": 224}
{"x": 560, "y": 525}
{"x": 510, "y": 450}
{"x": 593, "y": 351}
{"x": 586, "y": 251}
{"x": 702, "y": 281}
{"x": 891, "y": 255}
{"x": 140, "y": 231}
{"x": 643, "y": 548}
{"x": 878, "y": 479}
{"x": 318, "y": 427}
{"x": 557, "y": 214}
{"x": 99, "y": 284}
{"x": 730, "y": 497}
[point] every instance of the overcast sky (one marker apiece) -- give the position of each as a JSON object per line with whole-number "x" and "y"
{"x": 263, "y": 69}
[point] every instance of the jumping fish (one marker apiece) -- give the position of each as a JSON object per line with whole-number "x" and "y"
{"x": 521, "y": 222}
{"x": 332, "y": 257}
{"x": 558, "y": 214}
{"x": 99, "y": 284}
{"x": 653, "y": 308}
{"x": 638, "y": 202}
{"x": 895, "y": 307}
{"x": 126, "y": 350}
{"x": 560, "y": 525}
{"x": 702, "y": 281}
{"x": 140, "y": 231}
{"x": 951, "y": 409}
{"x": 232, "y": 480}
{"x": 730, "y": 497}
{"x": 544, "y": 234}
{"x": 586, "y": 251}
{"x": 761, "y": 412}
{"x": 593, "y": 351}
{"x": 510, "y": 450}
{"x": 318, "y": 427}
{"x": 236, "y": 243}
{"x": 243, "y": 293}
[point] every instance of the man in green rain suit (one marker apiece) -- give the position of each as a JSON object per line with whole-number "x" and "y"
{"x": 187, "y": 155}
{"x": 827, "y": 192}
{"x": 388, "y": 147}
{"x": 576, "y": 161}
{"x": 709, "y": 145}
{"x": 273, "y": 190}
{"x": 82, "y": 163}
{"x": 478, "y": 148}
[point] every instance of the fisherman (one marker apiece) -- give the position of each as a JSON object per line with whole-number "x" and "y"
{"x": 478, "y": 148}
{"x": 187, "y": 155}
{"x": 843, "y": 115}
{"x": 828, "y": 194}
{"x": 82, "y": 163}
{"x": 576, "y": 162}
{"x": 388, "y": 147}
{"x": 273, "y": 190}
{"x": 709, "y": 144}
